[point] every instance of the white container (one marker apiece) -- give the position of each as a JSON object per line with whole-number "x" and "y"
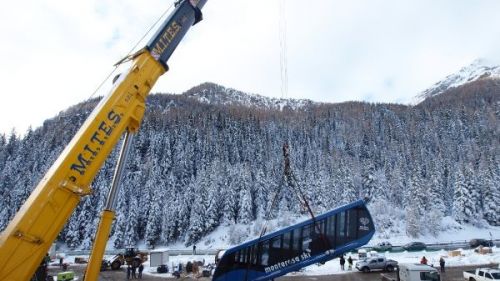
{"x": 157, "y": 258}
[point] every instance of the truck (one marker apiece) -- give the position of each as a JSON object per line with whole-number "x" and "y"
{"x": 482, "y": 274}
{"x": 376, "y": 263}
{"x": 131, "y": 256}
{"x": 29, "y": 235}
{"x": 414, "y": 272}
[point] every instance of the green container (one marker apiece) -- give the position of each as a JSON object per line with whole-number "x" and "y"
{"x": 65, "y": 276}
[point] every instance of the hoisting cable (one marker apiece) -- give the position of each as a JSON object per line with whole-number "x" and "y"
{"x": 284, "y": 91}
{"x": 294, "y": 184}
{"x": 290, "y": 180}
{"x": 283, "y": 50}
{"x": 288, "y": 176}
{"x": 284, "y": 94}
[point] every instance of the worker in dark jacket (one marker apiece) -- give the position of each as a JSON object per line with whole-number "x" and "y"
{"x": 441, "y": 264}
{"x": 342, "y": 262}
{"x": 134, "y": 269}
{"x": 141, "y": 268}
{"x": 129, "y": 270}
{"x": 349, "y": 261}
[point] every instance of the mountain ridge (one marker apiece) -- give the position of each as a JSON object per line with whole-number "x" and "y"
{"x": 212, "y": 93}
{"x": 478, "y": 70}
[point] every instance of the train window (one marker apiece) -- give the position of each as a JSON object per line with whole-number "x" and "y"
{"x": 341, "y": 225}
{"x": 296, "y": 237}
{"x": 340, "y": 231}
{"x": 264, "y": 254}
{"x": 253, "y": 254}
{"x": 276, "y": 242}
{"x": 306, "y": 236}
{"x": 246, "y": 257}
{"x": 243, "y": 255}
{"x": 330, "y": 230}
{"x": 352, "y": 224}
{"x": 286, "y": 240}
{"x": 320, "y": 225}
{"x": 237, "y": 256}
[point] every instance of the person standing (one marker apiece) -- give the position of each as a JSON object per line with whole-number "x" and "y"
{"x": 134, "y": 269}
{"x": 46, "y": 260}
{"x": 441, "y": 264}
{"x": 194, "y": 249}
{"x": 423, "y": 260}
{"x": 129, "y": 270}
{"x": 342, "y": 262}
{"x": 141, "y": 268}
{"x": 349, "y": 261}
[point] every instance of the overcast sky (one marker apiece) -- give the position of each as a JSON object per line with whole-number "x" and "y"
{"x": 54, "y": 53}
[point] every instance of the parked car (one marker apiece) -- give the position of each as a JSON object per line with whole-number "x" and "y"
{"x": 376, "y": 263}
{"x": 383, "y": 246}
{"x": 482, "y": 274}
{"x": 415, "y": 246}
{"x": 474, "y": 243}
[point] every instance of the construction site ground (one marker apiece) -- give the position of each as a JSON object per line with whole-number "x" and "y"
{"x": 451, "y": 274}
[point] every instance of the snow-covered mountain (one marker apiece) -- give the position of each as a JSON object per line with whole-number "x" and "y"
{"x": 210, "y": 93}
{"x": 479, "y": 69}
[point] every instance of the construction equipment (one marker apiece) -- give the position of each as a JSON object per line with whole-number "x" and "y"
{"x": 132, "y": 257}
{"x": 36, "y": 225}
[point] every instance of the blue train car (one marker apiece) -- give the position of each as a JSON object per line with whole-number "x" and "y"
{"x": 317, "y": 240}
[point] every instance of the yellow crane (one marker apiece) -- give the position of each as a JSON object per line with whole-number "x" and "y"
{"x": 29, "y": 235}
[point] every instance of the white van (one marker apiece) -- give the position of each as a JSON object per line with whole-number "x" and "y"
{"x": 418, "y": 272}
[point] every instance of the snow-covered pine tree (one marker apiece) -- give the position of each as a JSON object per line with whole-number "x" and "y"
{"x": 261, "y": 186}
{"x": 491, "y": 195}
{"x": 231, "y": 195}
{"x": 245, "y": 215}
{"x": 197, "y": 223}
{"x": 153, "y": 223}
{"x": 463, "y": 206}
{"x": 413, "y": 220}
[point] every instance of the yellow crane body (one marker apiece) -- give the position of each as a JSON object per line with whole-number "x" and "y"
{"x": 28, "y": 237}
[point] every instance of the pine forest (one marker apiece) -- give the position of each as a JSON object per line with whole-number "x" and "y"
{"x": 204, "y": 159}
